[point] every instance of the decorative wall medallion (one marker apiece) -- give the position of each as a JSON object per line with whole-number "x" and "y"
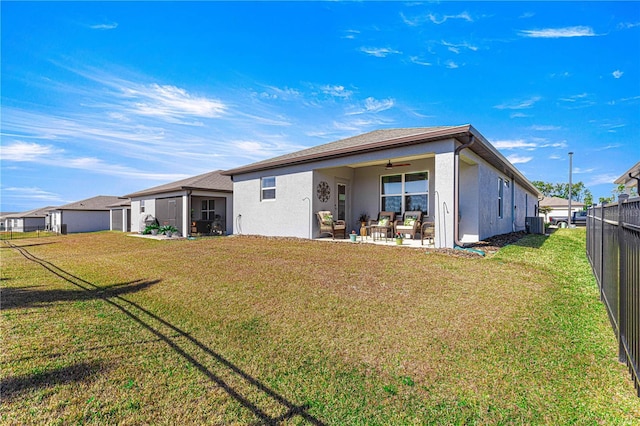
{"x": 323, "y": 191}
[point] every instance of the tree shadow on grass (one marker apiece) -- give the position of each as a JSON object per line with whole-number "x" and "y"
{"x": 42, "y": 243}
{"x": 532, "y": 241}
{"x": 28, "y": 297}
{"x": 193, "y": 351}
{"x": 12, "y": 387}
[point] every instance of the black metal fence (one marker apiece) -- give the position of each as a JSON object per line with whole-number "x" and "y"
{"x": 26, "y": 232}
{"x": 613, "y": 249}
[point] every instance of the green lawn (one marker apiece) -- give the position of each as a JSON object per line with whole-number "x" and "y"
{"x": 108, "y": 329}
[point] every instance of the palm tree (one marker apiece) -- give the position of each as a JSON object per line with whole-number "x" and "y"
{"x": 545, "y": 210}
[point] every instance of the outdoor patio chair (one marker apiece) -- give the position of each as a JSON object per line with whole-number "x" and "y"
{"x": 409, "y": 224}
{"x": 328, "y": 225}
{"x": 383, "y": 224}
{"x": 428, "y": 233}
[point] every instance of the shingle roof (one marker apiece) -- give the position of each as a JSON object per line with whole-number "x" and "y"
{"x": 100, "y": 202}
{"x": 39, "y": 212}
{"x": 122, "y": 202}
{"x": 559, "y": 202}
{"x": 376, "y": 140}
{"x": 380, "y": 140}
{"x": 212, "y": 181}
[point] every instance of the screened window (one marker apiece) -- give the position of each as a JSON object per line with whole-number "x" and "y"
{"x": 208, "y": 209}
{"x": 405, "y": 192}
{"x": 141, "y": 206}
{"x": 500, "y": 198}
{"x": 268, "y": 185}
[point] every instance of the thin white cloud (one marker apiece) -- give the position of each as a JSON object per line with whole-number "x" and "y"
{"x": 518, "y": 159}
{"x": 559, "y": 145}
{"x": 110, "y": 26}
{"x": 544, "y": 128}
{"x": 436, "y": 19}
{"x": 47, "y": 155}
{"x": 374, "y": 105}
{"x": 379, "y": 52}
{"x": 578, "y": 170}
{"x": 580, "y": 100}
{"x": 519, "y": 115}
{"x": 455, "y": 47}
{"x": 628, "y": 25}
{"x": 249, "y": 146}
{"x": 351, "y": 34}
{"x": 514, "y": 144}
{"x": 32, "y": 193}
{"x": 286, "y": 93}
{"x": 565, "y": 74}
{"x": 577, "y": 31}
{"x": 353, "y": 125}
{"x": 419, "y": 61}
{"x": 519, "y": 104}
{"x": 166, "y": 101}
{"x": 601, "y": 178}
{"x": 336, "y": 91}
{"x": 25, "y": 151}
{"x": 452, "y": 65}
{"x": 617, "y": 74}
{"x": 610, "y": 146}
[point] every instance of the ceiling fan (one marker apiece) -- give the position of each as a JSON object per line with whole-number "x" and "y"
{"x": 391, "y": 165}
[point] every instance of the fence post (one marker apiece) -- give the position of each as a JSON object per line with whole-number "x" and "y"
{"x": 622, "y": 282}
{"x": 601, "y": 284}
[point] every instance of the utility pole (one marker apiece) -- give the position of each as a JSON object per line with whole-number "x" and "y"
{"x": 570, "y": 171}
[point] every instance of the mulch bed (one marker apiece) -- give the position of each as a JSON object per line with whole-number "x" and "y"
{"x": 489, "y": 246}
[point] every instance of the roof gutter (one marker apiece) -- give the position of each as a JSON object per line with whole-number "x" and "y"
{"x": 456, "y": 190}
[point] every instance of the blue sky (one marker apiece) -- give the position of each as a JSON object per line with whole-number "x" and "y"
{"x": 111, "y": 98}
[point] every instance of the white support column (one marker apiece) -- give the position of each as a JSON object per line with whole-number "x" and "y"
{"x": 443, "y": 201}
{"x": 186, "y": 216}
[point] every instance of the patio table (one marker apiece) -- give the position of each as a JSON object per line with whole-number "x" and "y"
{"x": 383, "y": 229}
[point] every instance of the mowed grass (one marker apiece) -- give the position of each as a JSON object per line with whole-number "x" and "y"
{"x": 108, "y": 329}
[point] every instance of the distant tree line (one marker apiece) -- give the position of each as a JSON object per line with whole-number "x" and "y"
{"x": 578, "y": 192}
{"x": 561, "y": 190}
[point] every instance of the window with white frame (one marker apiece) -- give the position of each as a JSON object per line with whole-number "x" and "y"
{"x": 268, "y": 186}
{"x": 405, "y": 192}
{"x": 208, "y": 209}
{"x": 141, "y": 206}
{"x": 500, "y": 198}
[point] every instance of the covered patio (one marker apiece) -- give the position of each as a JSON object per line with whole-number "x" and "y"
{"x": 406, "y": 242}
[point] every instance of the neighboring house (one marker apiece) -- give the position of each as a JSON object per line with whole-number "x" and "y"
{"x": 4, "y": 220}
{"x": 447, "y": 172}
{"x": 630, "y": 179}
{"x": 88, "y": 215}
{"x": 120, "y": 218}
{"x": 32, "y": 220}
{"x": 558, "y": 207}
{"x": 193, "y": 205}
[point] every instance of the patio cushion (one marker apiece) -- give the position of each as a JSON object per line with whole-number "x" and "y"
{"x": 384, "y": 221}
{"x": 409, "y": 221}
{"x": 327, "y": 219}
